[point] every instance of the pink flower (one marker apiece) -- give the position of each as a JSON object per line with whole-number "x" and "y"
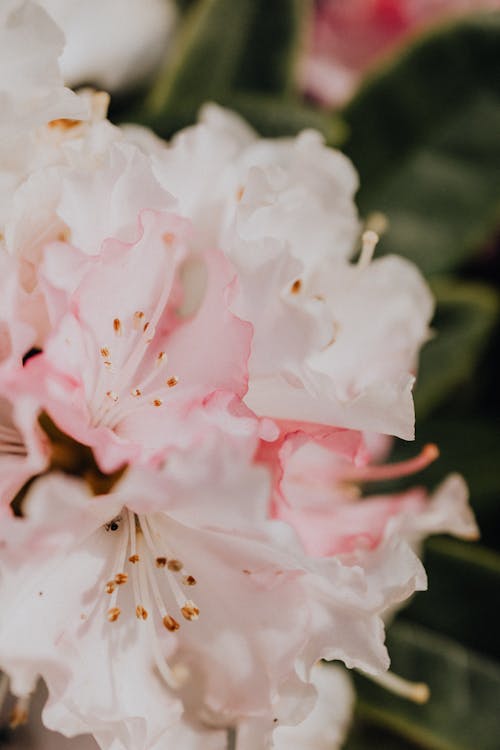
{"x": 345, "y": 337}
{"x": 174, "y": 583}
{"x": 317, "y": 491}
{"x": 349, "y": 36}
{"x": 121, "y": 371}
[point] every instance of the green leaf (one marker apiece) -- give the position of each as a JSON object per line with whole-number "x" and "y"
{"x": 273, "y": 116}
{"x": 366, "y": 736}
{"x": 424, "y": 136}
{"x": 470, "y": 445}
{"x": 274, "y": 44}
{"x": 203, "y": 64}
{"x": 465, "y": 316}
{"x": 461, "y": 602}
{"x": 462, "y": 713}
{"x": 225, "y": 47}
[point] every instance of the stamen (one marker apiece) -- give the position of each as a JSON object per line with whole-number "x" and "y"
{"x": 118, "y": 564}
{"x": 113, "y": 614}
{"x": 121, "y": 578}
{"x": 105, "y": 352}
{"x": 175, "y": 565}
{"x": 189, "y": 581}
{"x": 190, "y": 611}
{"x": 161, "y": 562}
{"x": 170, "y": 623}
{"x": 160, "y": 358}
{"x": 157, "y": 402}
{"x": 136, "y": 392}
{"x": 160, "y": 662}
{"x": 138, "y": 318}
{"x": 296, "y": 286}
{"x": 169, "y": 238}
{"x": 141, "y": 613}
{"x": 428, "y": 454}
{"x": 418, "y": 692}
{"x": 110, "y": 587}
{"x": 112, "y": 395}
{"x": 171, "y": 382}
{"x": 370, "y": 240}
{"x": 117, "y": 326}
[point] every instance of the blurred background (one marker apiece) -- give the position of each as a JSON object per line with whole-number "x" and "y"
{"x": 410, "y": 91}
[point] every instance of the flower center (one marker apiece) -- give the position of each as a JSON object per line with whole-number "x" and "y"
{"x": 144, "y": 558}
{"x": 121, "y": 387}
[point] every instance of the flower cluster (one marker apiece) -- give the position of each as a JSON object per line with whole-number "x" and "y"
{"x": 196, "y": 379}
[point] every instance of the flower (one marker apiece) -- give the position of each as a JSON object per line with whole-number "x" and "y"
{"x": 181, "y": 325}
{"x": 162, "y": 581}
{"x": 121, "y": 371}
{"x": 283, "y": 213}
{"x": 317, "y": 491}
{"x": 112, "y": 44}
{"x": 349, "y": 37}
{"x": 327, "y": 724}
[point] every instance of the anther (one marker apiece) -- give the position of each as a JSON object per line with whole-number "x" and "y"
{"x": 114, "y": 614}
{"x": 171, "y": 382}
{"x": 296, "y": 286}
{"x": 160, "y": 358}
{"x": 112, "y": 395}
{"x": 175, "y": 565}
{"x": 161, "y": 562}
{"x": 104, "y": 352}
{"x": 138, "y": 318}
{"x": 157, "y": 402}
{"x": 141, "y": 613}
{"x": 239, "y": 193}
{"x": 134, "y": 558}
{"x": 117, "y": 326}
{"x": 136, "y": 392}
{"x": 168, "y": 238}
{"x": 110, "y": 587}
{"x": 121, "y": 578}
{"x": 145, "y": 327}
{"x": 170, "y": 624}
{"x": 189, "y": 581}
{"x": 190, "y": 611}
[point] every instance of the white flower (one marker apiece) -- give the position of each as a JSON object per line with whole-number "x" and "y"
{"x": 112, "y": 43}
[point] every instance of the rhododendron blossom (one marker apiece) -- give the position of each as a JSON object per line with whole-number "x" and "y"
{"x": 196, "y": 341}
{"x": 348, "y": 37}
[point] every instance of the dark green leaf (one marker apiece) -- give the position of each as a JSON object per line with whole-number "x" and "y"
{"x": 461, "y": 602}
{"x": 465, "y": 316}
{"x": 275, "y": 41}
{"x": 424, "y": 136}
{"x": 203, "y": 63}
{"x": 462, "y": 713}
{"x": 274, "y": 116}
{"x": 470, "y": 445}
